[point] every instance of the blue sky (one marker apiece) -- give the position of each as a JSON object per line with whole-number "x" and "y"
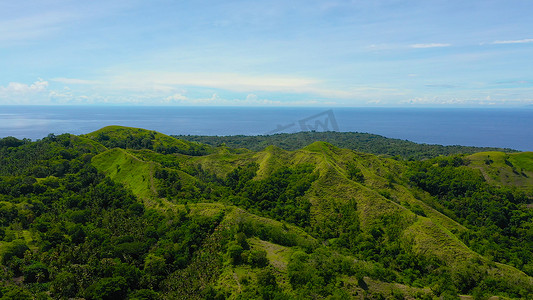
{"x": 270, "y": 53}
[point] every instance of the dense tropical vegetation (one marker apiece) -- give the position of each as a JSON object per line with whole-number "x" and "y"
{"x": 126, "y": 213}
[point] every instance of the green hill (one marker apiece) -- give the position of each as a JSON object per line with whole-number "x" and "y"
{"x": 125, "y": 213}
{"x": 137, "y": 138}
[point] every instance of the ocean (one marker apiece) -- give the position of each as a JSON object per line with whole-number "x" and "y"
{"x": 491, "y": 127}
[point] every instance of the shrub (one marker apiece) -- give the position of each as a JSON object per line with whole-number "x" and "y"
{"x": 266, "y": 278}
{"x": 155, "y": 265}
{"x": 234, "y": 253}
{"x": 241, "y": 240}
{"x": 64, "y": 285}
{"x": 36, "y": 272}
{"x": 257, "y": 258}
{"x": 17, "y": 248}
{"x": 108, "y": 288}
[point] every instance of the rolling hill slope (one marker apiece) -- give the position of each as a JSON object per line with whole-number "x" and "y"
{"x": 380, "y": 198}
{"x": 167, "y": 219}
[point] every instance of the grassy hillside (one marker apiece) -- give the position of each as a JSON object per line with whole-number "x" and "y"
{"x": 508, "y": 169}
{"x": 127, "y": 213}
{"x": 125, "y": 168}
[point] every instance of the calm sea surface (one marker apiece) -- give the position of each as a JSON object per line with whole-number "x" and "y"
{"x": 509, "y": 128}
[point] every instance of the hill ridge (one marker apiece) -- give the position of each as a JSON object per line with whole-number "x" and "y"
{"x": 361, "y": 142}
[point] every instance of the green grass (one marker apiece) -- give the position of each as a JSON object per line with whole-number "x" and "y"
{"x": 28, "y": 238}
{"x": 432, "y": 238}
{"x": 127, "y": 169}
{"x": 334, "y": 188}
{"x": 277, "y": 255}
{"x": 406, "y": 197}
{"x": 522, "y": 160}
{"x": 499, "y": 168}
{"x": 83, "y": 142}
{"x": 386, "y": 289}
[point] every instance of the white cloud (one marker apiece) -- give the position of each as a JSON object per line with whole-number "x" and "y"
{"x": 67, "y": 96}
{"x": 39, "y": 92}
{"x": 432, "y": 45}
{"x": 22, "y": 89}
{"x": 22, "y": 93}
{"x": 251, "y": 97}
{"x": 213, "y": 100}
{"x": 61, "y": 97}
{"x": 479, "y": 100}
{"x": 435, "y": 101}
{"x": 523, "y": 41}
{"x": 176, "y": 98}
{"x": 168, "y": 88}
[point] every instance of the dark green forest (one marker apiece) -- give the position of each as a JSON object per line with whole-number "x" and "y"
{"x": 127, "y": 213}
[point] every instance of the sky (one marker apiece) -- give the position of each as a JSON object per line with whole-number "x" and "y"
{"x": 268, "y": 53}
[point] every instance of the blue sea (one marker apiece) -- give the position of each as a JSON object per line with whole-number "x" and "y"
{"x": 508, "y": 128}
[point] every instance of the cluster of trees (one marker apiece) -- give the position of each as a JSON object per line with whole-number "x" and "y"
{"x": 12, "y": 142}
{"x": 51, "y": 156}
{"x": 239, "y": 252}
{"x": 279, "y": 196}
{"x": 170, "y": 182}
